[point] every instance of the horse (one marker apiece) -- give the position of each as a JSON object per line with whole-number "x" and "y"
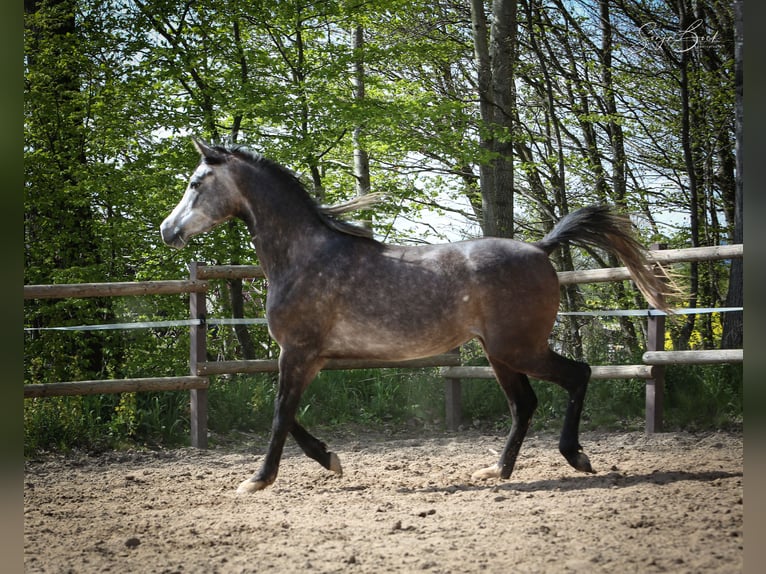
{"x": 337, "y": 293}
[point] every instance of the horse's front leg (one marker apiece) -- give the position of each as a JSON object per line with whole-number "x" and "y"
{"x": 296, "y": 371}
{"x": 316, "y": 449}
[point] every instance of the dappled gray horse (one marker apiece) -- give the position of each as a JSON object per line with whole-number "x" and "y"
{"x": 336, "y": 293}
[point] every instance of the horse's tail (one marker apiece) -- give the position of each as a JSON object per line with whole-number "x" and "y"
{"x": 598, "y": 226}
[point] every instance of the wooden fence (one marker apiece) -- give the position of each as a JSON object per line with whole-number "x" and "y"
{"x": 197, "y": 382}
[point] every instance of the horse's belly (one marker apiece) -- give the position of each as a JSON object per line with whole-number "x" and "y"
{"x": 371, "y": 341}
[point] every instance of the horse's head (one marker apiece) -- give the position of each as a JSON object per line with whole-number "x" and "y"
{"x": 211, "y": 197}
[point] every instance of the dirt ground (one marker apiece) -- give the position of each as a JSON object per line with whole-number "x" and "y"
{"x": 665, "y": 503}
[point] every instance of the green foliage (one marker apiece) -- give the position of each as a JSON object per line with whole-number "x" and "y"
{"x": 617, "y": 404}
{"x": 697, "y": 398}
{"x": 65, "y": 423}
{"x": 98, "y": 422}
{"x": 113, "y": 90}
{"x": 610, "y": 405}
{"x": 373, "y": 397}
{"x": 702, "y": 397}
{"x": 243, "y": 403}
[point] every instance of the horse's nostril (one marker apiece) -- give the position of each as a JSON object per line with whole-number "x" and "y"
{"x": 171, "y": 236}
{"x": 165, "y": 233}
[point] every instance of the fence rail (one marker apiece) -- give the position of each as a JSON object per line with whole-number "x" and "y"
{"x": 197, "y": 382}
{"x": 663, "y": 256}
{"x": 122, "y": 288}
{"x": 596, "y": 372}
{"x": 701, "y": 357}
{"x": 272, "y": 366}
{"x": 107, "y": 386}
{"x": 230, "y": 272}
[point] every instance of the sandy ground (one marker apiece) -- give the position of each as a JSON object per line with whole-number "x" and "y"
{"x": 665, "y": 503}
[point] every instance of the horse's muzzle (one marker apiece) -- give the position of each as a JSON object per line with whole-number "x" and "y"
{"x": 171, "y": 235}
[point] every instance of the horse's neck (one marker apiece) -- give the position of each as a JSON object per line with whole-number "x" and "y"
{"x": 284, "y": 233}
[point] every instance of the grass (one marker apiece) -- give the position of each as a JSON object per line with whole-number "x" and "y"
{"x": 373, "y": 397}
{"x": 700, "y": 397}
{"x": 697, "y": 398}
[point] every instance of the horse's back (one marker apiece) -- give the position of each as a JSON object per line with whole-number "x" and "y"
{"x": 490, "y": 262}
{"x": 515, "y": 281}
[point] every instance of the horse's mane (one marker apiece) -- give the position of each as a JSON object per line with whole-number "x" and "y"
{"x": 327, "y": 213}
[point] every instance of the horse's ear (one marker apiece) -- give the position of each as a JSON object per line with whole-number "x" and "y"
{"x": 208, "y": 152}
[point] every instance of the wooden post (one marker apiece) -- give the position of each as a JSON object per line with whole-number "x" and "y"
{"x": 655, "y": 387}
{"x": 453, "y": 401}
{"x": 198, "y": 355}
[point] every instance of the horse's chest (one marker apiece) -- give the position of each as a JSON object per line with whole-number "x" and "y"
{"x": 297, "y": 312}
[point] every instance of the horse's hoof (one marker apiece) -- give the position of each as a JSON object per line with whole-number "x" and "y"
{"x": 335, "y": 464}
{"x": 487, "y": 473}
{"x": 251, "y": 485}
{"x": 581, "y": 462}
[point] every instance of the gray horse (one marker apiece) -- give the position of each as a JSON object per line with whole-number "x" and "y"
{"x": 336, "y": 293}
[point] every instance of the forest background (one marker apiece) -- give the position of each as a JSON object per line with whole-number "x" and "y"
{"x": 472, "y": 117}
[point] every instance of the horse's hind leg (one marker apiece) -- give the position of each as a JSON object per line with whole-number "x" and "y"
{"x": 522, "y": 403}
{"x": 573, "y": 376}
{"x": 316, "y": 449}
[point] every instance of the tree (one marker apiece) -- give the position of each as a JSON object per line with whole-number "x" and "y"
{"x": 525, "y": 109}
{"x": 732, "y": 325}
{"x": 63, "y": 227}
{"x": 495, "y": 52}
{"x": 689, "y": 107}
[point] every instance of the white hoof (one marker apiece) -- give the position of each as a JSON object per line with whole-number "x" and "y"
{"x": 487, "y": 473}
{"x": 251, "y": 485}
{"x": 335, "y": 464}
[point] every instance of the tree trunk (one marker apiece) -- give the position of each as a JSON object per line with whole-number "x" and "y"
{"x": 495, "y": 62}
{"x": 614, "y": 129}
{"x": 238, "y": 312}
{"x": 484, "y": 82}
{"x": 503, "y": 50}
{"x": 732, "y": 337}
{"x": 690, "y": 162}
{"x": 618, "y": 194}
{"x": 361, "y": 157}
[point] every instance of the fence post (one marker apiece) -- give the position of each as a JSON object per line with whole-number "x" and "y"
{"x": 655, "y": 387}
{"x": 197, "y": 354}
{"x": 453, "y": 401}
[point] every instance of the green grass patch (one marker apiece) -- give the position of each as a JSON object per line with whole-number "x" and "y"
{"x": 696, "y": 398}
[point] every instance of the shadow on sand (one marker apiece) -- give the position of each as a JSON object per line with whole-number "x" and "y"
{"x": 584, "y": 482}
